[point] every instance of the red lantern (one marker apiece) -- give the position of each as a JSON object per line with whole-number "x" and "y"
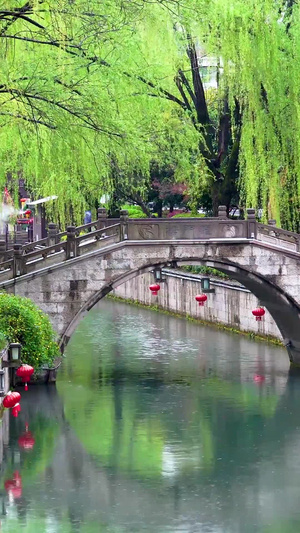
{"x": 259, "y": 378}
{"x": 14, "y": 486}
{"x": 26, "y": 441}
{"x": 154, "y": 289}
{"x": 258, "y": 313}
{"x": 201, "y": 298}
{"x": 15, "y": 410}
{"x": 25, "y": 372}
{"x": 11, "y": 399}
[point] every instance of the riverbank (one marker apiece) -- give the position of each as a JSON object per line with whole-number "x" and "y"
{"x": 229, "y": 308}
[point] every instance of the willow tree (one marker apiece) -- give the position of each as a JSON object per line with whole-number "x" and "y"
{"x": 251, "y": 125}
{"x": 87, "y": 87}
{"x": 74, "y": 99}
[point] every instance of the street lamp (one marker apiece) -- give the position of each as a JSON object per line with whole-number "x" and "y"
{"x": 158, "y": 275}
{"x": 205, "y": 285}
{"x": 14, "y": 355}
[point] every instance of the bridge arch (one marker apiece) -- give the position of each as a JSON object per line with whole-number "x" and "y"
{"x": 283, "y": 307}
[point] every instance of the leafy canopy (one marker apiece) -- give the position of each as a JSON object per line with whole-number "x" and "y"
{"x": 87, "y": 86}
{"x": 74, "y": 100}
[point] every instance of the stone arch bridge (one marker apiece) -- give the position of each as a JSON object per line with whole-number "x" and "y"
{"x": 67, "y": 273}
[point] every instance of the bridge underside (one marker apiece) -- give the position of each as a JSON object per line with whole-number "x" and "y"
{"x": 67, "y": 291}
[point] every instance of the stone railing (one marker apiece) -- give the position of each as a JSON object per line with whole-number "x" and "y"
{"x": 219, "y": 227}
{"x": 25, "y": 259}
{"x": 278, "y": 237}
{"x": 75, "y": 241}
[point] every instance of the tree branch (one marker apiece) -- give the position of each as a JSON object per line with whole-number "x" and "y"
{"x": 86, "y": 119}
{"x": 33, "y": 120}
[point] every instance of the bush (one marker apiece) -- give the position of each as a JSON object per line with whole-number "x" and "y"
{"x": 22, "y": 321}
{"x": 134, "y": 211}
{"x": 208, "y": 271}
{"x": 3, "y": 341}
{"x": 189, "y": 215}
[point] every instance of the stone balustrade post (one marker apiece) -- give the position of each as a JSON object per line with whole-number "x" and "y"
{"x": 102, "y": 216}
{"x": 2, "y": 249}
{"x": 272, "y": 222}
{"x": 19, "y": 264}
{"x": 124, "y": 224}
{"x": 52, "y": 233}
{"x": 71, "y": 251}
{"x": 251, "y": 224}
{"x": 222, "y": 212}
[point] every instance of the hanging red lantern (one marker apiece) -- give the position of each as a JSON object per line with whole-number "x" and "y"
{"x": 258, "y": 313}
{"x": 259, "y": 378}
{"x": 25, "y": 372}
{"x": 26, "y": 441}
{"x": 14, "y": 486}
{"x": 15, "y": 410}
{"x": 11, "y": 401}
{"x": 154, "y": 289}
{"x": 201, "y": 298}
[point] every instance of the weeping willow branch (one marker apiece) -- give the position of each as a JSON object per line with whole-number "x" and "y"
{"x": 28, "y": 119}
{"x": 87, "y": 120}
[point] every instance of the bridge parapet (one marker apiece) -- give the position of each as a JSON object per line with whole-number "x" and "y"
{"x": 20, "y": 263}
{"x": 277, "y": 236}
{"x": 58, "y": 247}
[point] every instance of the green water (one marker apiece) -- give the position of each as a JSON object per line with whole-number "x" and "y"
{"x": 156, "y": 425}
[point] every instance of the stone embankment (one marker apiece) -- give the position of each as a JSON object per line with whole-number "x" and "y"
{"x": 230, "y": 305}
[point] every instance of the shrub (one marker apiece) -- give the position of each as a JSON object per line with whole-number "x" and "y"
{"x": 188, "y": 215}
{"x": 22, "y": 321}
{"x": 134, "y": 211}
{"x": 195, "y": 269}
{"x": 3, "y": 341}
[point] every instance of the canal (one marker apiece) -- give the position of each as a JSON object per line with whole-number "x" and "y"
{"x": 156, "y": 424}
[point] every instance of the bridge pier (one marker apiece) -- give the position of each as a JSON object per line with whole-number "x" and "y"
{"x": 294, "y": 353}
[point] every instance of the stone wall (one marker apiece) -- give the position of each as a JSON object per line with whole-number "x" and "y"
{"x": 230, "y": 304}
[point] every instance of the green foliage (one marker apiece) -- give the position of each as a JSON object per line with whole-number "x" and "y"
{"x": 3, "y": 341}
{"x": 195, "y": 269}
{"x": 134, "y": 211}
{"x": 188, "y": 215}
{"x": 76, "y": 117}
{"x": 22, "y": 321}
{"x": 257, "y": 46}
{"x": 85, "y": 117}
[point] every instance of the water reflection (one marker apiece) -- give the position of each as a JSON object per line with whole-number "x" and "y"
{"x": 157, "y": 425}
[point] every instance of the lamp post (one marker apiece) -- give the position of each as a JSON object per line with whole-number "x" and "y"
{"x": 2, "y": 383}
{"x": 13, "y": 361}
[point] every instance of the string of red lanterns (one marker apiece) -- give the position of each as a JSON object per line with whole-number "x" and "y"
{"x": 259, "y": 312}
